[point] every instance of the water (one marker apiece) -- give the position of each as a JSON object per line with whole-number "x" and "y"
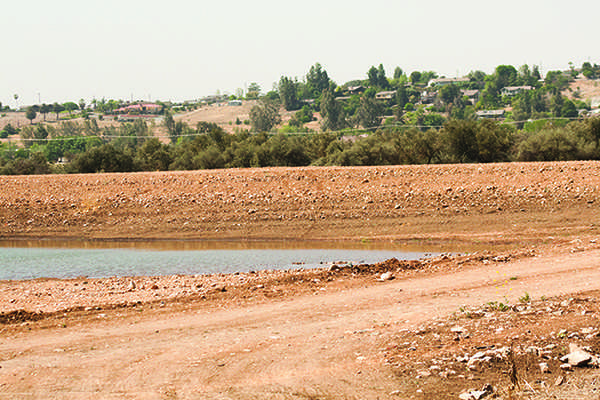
{"x": 30, "y": 260}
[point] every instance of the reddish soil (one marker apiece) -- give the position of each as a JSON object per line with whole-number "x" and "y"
{"x": 341, "y": 332}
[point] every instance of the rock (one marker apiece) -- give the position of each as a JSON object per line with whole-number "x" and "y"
{"x": 559, "y": 381}
{"x": 457, "y": 329}
{"x": 131, "y": 285}
{"x": 476, "y": 394}
{"x": 544, "y": 368}
{"x": 577, "y": 358}
{"x": 475, "y": 362}
{"x": 386, "y": 276}
{"x": 566, "y": 367}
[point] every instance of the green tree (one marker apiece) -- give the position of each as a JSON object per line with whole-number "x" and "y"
{"x": 332, "y": 113}
{"x": 8, "y": 130}
{"x": 30, "y": 114}
{"x": 57, "y": 109}
{"x": 153, "y": 156}
{"x": 70, "y": 107}
{"x": 45, "y": 109}
{"x": 264, "y": 116}
{"x": 449, "y": 93}
{"x": 398, "y": 73}
{"x": 81, "y": 104}
{"x": 317, "y": 80}
{"x": 288, "y": 93}
{"x": 368, "y": 112}
{"x": 415, "y": 77}
{"x": 253, "y": 91}
{"x": 377, "y": 77}
{"x": 461, "y": 138}
{"x": 568, "y": 109}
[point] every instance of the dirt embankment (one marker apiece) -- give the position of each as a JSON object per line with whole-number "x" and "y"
{"x": 409, "y": 202}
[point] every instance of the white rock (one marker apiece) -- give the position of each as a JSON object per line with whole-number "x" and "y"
{"x": 566, "y": 367}
{"x": 577, "y": 358}
{"x": 386, "y": 276}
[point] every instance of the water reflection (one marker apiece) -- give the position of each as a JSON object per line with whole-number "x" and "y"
{"x": 191, "y": 245}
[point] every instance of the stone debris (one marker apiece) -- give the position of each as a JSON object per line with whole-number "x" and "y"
{"x": 472, "y": 394}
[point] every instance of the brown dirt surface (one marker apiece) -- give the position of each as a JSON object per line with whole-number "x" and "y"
{"x": 221, "y": 114}
{"x": 586, "y": 88}
{"x": 526, "y": 289}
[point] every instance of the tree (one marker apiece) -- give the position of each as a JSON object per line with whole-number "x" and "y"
{"x": 381, "y": 79}
{"x": 30, "y": 114}
{"x": 568, "y": 109}
{"x": 8, "y": 130}
{"x": 81, "y": 104}
{"x": 377, "y": 77}
{"x": 372, "y": 76}
{"x": 317, "y": 80}
{"x": 415, "y": 77}
{"x": 288, "y": 93}
{"x": 461, "y": 137}
{"x": 16, "y": 97}
{"x": 264, "y": 116}
{"x": 332, "y": 113}
{"x": 57, "y": 109}
{"x": 45, "y": 109}
{"x": 398, "y": 73}
{"x": 153, "y": 155}
{"x": 368, "y": 112}
{"x": 253, "y": 91}
{"x": 449, "y": 93}
{"x": 70, "y": 107}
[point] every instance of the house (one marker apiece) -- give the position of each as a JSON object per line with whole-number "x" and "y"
{"x": 447, "y": 81}
{"x": 472, "y": 95}
{"x": 491, "y": 114}
{"x": 387, "y": 95}
{"x": 144, "y": 108}
{"x": 428, "y": 97}
{"x": 595, "y": 102}
{"x": 356, "y": 89}
{"x": 514, "y": 90}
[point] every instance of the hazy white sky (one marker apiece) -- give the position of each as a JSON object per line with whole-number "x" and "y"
{"x": 180, "y": 49}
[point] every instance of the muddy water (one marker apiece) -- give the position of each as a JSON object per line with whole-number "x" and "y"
{"x": 69, "y": 259}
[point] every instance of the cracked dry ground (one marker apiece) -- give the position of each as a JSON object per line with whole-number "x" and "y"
{"x": 443, "y": 328}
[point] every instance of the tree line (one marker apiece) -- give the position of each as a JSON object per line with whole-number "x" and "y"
{"x": 86, "y": 148}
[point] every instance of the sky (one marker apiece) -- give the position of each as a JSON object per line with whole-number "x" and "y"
{"x": 65, "y": 50}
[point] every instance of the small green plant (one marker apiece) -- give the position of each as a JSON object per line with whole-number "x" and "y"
{"x": 525, "y": 298}
{"x": 497, "y": 306}
{"x": 514, "y": 278}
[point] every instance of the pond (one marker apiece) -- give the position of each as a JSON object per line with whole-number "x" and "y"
{"x": 25, "y": 259}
